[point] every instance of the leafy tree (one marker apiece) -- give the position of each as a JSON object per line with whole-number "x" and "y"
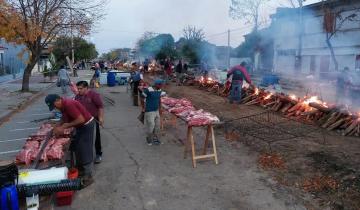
{"x": 249, "y": 46}
{"x": 160, "y": 46}
{"x": 37, "y": 23}
{"x": 83, "y": 49}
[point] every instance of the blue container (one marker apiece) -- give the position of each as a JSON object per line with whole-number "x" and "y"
{"x": 9, "y": 198}
{"x": 111, "y": 81}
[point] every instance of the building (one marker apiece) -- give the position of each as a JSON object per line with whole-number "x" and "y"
{"x": 306, "y": 51}
{"x": 12, "y": 59}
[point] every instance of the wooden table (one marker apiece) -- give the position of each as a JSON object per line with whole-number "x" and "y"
{"x": 190, "y": 142}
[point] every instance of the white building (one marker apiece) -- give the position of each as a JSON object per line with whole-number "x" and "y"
{"x": 315, "y": 54}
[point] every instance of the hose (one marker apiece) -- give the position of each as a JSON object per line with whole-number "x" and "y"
{"x": 48, "y": 189}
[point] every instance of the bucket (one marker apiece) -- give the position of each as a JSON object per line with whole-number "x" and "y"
{"x": 65, "y": 198}
{"x": 111, "y": 79}
{"x": 73, "y": 173}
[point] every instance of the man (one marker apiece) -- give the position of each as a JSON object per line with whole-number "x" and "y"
{"x": 239, "y": 74}
{"x": 179, "y": 72}
{"x": 152, "y": 110}
{"x": 75, "y": 115}
{"x": 342, "y": 81}
{"x": 135, "y": 79}
{"x": 63, "y": 79}
{"x": 94, "y": 104}
{"x": 168, "y": 70}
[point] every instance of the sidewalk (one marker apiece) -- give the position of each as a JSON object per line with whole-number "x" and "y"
{"x": 11, "y": 97}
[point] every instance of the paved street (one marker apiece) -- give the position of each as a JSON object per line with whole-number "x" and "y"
{"x": 134, "y": 175}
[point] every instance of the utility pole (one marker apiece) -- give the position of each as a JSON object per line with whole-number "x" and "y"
{"x": 229, "y": 49}
{"x": 301, "y": 33}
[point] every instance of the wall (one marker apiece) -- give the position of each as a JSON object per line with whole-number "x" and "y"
{"x": 346, "y": 43}
{"x": 12, "y": 61}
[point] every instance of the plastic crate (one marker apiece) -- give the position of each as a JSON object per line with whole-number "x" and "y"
{"x": 64, "y": 198}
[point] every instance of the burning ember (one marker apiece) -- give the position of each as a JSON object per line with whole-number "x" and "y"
{"x": 268, "y": 96}
{"x": 257, "y": 91}
{"x": 314, "y": 99}
{"x": 292, "y": 96}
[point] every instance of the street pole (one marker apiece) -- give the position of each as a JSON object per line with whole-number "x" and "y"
{"x": 301, "y": 32}
{"x": 228, "y": 55}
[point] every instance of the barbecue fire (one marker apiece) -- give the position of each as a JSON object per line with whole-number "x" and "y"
{"x": 268, "y": 96}
{"x": 292, "y": 96}
{"x": 310, "y": 109}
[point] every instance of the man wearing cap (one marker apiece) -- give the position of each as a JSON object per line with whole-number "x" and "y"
{"x": 74, "y": 114}
{"x": 152, "y": 110}
{"x": 92, "y": 101}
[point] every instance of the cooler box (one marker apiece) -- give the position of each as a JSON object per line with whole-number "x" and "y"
{"x": 103, "y": 78}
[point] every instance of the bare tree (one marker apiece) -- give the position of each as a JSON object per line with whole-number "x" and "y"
{"x": 249, "y": 10}
{"x": 193, "y": 33}
{"x": 37, "y": 23}
{"x": 333, "y": 24}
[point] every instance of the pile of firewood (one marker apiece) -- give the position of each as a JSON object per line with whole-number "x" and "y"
{"x": 310, "y": 109}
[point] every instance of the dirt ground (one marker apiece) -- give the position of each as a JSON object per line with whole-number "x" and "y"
{"x": 320, "y": 168}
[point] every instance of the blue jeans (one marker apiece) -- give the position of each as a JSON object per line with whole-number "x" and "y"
{"x": 235, "y": 92}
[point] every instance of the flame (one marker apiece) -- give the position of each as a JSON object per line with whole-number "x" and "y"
{"x": 268, "y": 96}
{"x": 201, "y": 79}
{"x": 257, "y": 91}
{"x": 292, "y": 96}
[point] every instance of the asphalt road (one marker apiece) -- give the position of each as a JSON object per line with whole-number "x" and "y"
{"x": 135, "y": 176}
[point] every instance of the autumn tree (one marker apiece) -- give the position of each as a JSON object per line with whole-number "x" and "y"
{"x": 37, "y": 23}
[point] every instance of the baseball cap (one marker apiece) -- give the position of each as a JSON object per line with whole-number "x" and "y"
{"x": 50, "y": 100}
{"x": 158, "y": 82}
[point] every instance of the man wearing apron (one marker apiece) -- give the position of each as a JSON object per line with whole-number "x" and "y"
{"x": 75, "y": 115}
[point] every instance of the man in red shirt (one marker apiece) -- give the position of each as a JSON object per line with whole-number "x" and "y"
{"x": 75, "y": 115}
{"x": 93, "y": 103}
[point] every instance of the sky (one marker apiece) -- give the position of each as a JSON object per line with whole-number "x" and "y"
{"x": 127, "y": 20}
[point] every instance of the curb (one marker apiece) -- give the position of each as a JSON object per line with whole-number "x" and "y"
{"x": 8, "y": 114}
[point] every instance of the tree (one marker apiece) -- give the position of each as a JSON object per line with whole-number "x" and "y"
{"x": 249, "y": 46}
{"x": 333, "y": 23}
{"x": 36, "y": 23}
{"x": 160, "y": 46}
{"x": 83, "y": 49}
{"x": 249, "y": 10}
{"x": 117, "y": 54}
{"x": 192, "y": 33}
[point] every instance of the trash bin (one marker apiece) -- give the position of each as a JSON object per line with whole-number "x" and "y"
{"x": 111, "y": 81}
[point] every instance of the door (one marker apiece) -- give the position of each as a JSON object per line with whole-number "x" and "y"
{"x": 324, "y": 66}
{"x": 313, "y": 64}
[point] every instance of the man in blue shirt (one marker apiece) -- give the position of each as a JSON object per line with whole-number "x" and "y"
{"x": 135, "y": 78}
{"x": 152, "y": 109}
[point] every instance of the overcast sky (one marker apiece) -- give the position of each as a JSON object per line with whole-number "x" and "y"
{"x": 127, "y": 20}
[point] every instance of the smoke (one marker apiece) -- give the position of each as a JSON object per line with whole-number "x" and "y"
{"x": 317, "y": 73}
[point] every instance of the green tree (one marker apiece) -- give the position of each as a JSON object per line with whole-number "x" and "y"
{"x": 83, "y": 50}
{"x": 159, "y": 47}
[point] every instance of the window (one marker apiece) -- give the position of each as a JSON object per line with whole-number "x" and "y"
{"x": 357, "y": 62}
